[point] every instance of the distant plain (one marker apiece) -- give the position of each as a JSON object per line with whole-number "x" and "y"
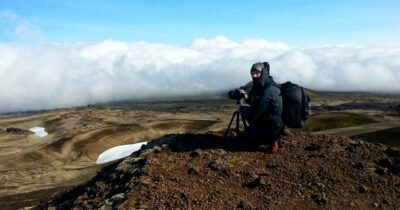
{"x": 31, "y": 168}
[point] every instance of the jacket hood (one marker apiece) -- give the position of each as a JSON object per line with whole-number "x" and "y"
{"x": 264, "y": 78}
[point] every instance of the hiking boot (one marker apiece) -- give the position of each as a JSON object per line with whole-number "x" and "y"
{"x": 271, "y": 148}
{"x": 274, "y": 147}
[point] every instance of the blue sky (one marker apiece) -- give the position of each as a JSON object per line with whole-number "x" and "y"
{"x": 298, "y": 23}
{"x": 93, "y": 51}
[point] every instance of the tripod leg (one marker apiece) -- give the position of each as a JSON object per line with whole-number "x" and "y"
{"x": 237, "y": 122}
{"x": 229, "y": 126}
{"x": 244, "y": 122}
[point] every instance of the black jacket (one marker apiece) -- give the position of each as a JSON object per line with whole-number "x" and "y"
{"x": 265, "y": 100}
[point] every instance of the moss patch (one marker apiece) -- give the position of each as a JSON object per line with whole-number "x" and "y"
{"x": 334, "y": 120}
{"x": 188, "y": 125}
{"x": 199, "y": 125}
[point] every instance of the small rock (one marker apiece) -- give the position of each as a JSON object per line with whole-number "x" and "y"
{"x": 175, "y": 179}
{"x": 350, "y": 149}
{"x": 362, "y": 189}
{"x": 245, "y": 205}
{"x": 382, "y": 147}
{"x": 102, "y": 207}
{"x": 382, "y": 171}
{"x": 312, "y": 147}
{"x": 352, "y": 142}
{"x": 152, "y": 161}
{"x": 260, "y": 181}
{"x": 369, "y": 144}
{"x": 196, "y": 153}
{"x": 207, "y": 156}
{"x": 108, "y": 202}
{"x": 319, "y": 185}
{"x": 359, "y": 166}
{"x": 271, "y": 165}
{"x": 118, "y": 196}
{"x": 157, "y": 149}
{"x": 392, "y": 151}
{"x": 193, "y": 171}
{"x": 159, "y": 178}
{"x": 319, "y": 199}
{"x": 146, "y": 182}
{"x": 218, "y": 164}
{"x": 286, "y": 132}
{"x": 220, "y": 151}
{"x": 375, "y": 205}
{"x": 15, "y": 130}
{"x": 386, "y": 202}
{"x": 228, "y": 173}
{"x": 131, "y": 185}
{"x": 392, "y": 163}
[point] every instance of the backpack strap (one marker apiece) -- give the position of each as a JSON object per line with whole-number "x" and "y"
{"x": 303, "y": 101}
{"x": 276, "y": 85}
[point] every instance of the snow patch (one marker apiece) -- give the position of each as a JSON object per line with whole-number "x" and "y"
{"x": 39, "y": 131}
{"x": 118, "y": 152}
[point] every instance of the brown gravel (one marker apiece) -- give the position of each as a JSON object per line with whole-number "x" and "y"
{"x": 204, "y": 171}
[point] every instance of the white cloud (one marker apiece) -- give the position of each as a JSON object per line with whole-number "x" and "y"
{"x": 8, "y": 15}
{"x": 19, "y": 29}
{"x": 25, "y": 31}
{"x": 63, "y": 75}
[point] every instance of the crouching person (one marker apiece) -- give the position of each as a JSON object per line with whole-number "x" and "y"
{"x": 265, "y": 110}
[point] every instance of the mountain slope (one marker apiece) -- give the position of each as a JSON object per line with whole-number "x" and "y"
{"x": 205, "y": 171}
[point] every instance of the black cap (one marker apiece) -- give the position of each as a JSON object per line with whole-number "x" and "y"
{"x": 260, "y": 67}
{"x": 257, "y": 67}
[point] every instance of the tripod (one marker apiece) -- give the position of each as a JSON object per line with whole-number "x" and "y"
{"x": 237, "y": 114}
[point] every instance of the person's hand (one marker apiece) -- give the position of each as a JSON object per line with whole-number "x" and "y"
{"x": 237, "y": 107}
{"x": 243, "y": 93}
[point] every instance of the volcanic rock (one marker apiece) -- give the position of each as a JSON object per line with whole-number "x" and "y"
{"x": 204, "y": 171}
{"x": 16, "y": 130}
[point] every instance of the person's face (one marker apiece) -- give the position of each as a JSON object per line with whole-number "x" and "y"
{"x": 255, "y": 74}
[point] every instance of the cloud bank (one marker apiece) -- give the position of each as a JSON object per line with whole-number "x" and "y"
{"x": 74, "y": 74}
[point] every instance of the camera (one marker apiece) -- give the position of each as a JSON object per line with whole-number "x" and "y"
{"x": 236, "y": 94}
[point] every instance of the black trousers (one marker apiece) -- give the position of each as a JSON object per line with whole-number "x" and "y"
{"x": 255, "y": 136}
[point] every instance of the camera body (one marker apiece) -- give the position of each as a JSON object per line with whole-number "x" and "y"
{"x": 236, "y": 94}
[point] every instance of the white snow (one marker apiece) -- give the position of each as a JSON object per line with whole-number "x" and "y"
{"x": 118, "y": 152}
{"x": 39, "y": 131}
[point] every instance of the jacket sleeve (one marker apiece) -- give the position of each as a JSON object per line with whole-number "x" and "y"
{"x": 234, "y": 94}
{"x": 261, "y": 104}
{"x": 247, "y": 88}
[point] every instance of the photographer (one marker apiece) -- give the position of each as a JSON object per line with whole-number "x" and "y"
{"x": 264, "y": 113}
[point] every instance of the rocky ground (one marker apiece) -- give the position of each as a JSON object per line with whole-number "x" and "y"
{"x": 204, "y": 171}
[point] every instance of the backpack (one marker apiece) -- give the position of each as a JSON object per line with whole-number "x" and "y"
{"x": 295, "y": 105}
